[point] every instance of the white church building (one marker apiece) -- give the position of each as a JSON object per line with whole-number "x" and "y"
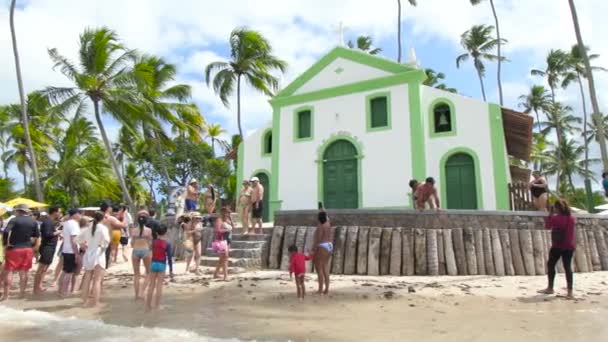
{"x": 354, "y": 129}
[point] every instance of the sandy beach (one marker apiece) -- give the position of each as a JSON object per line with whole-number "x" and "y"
{"x": 262, "y": 306}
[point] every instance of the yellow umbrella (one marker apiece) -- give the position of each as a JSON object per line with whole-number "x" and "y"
{"x": 30, "y": 203}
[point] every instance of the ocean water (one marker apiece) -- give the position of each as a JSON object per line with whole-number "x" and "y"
{"x": 32, "y": 325}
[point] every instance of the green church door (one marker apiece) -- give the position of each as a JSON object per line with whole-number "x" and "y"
{"x": 461, "y": 188}
{"x": 266, "y": 206}
{"x": 340, "y": 176}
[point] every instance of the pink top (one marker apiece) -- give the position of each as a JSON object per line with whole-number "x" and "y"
{"x": 563, "y": 234}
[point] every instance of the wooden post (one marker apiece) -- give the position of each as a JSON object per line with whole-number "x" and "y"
{"x": 288, "y": 240}
{"x": 505, "y": 241}
{"x": 587, "y": 250}
{"x": 301, "y": 239}
{"x": 385, "y": 251}
{"x": 499, "y": 260}
{"x": 602, "y": 249}
{"x": 407, "y": 252}
{"x": 461, "y": 262}
{"x": 595, "y": 256}
{"x": 396, "y": 246}
{"x": 481, "y": 260}
{"x": 431, "y": 252}
{"x": 350, "y": 250}
{"x": 441, "y": 252}
{"x": 537, "y": 245}
{"x": 420, "y": 251}
{"x": 309, "y": 246}
{"x": 527, "y": 251}
{"x": 362, "y": 250}
{"x": 337, "y": 263}
{"x": 518, "y": 263}
{"x": 470, "y": 251}
{"x": 487, "y": 252}
{"x": 276, "y": 242}
{"x": 581, "y": 255}
{"x": 450, "y": 258}
{"x": 373, "y": 253}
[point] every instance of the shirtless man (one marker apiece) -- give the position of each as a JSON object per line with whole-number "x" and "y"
{"x": 257, "y": 204}
{"x": 427, "y": 194}
{"x": 192, "y": 194}
{"x": 323, "y": 247}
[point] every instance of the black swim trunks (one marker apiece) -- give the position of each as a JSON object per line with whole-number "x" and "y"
{"x": 69, "y": 262}
{"x": 47, "y": 253}
{"x": 256, "y": 213}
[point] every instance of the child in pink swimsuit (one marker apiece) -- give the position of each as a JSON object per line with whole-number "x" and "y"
{"x": 297, "y": 265}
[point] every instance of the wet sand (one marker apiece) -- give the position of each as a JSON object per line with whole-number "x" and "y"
{"x": 263, "y": 306}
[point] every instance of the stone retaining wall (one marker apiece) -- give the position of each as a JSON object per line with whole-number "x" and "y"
{"x": 390, "y": 242}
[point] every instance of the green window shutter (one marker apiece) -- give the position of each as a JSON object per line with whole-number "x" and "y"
{"x": 379, "y": 112}
{"x": 304, "y": 124}
{"x": 268, "y": 143}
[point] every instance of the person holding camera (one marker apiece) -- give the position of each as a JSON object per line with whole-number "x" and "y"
{"x": 563, "y": 243}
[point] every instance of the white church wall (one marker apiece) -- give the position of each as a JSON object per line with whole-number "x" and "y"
{"x": 472, "y": 132}
{"x": 253, "y": 159}
{"x": 385, "y": 167}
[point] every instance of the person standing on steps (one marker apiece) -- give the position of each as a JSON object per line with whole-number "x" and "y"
{"x": 19, "y": 237}
{"x": 210, "y": 199}
{"x": 257, "y": 204}
{"x": 245, "y": 206}
{"x": 192, "y": 193}
{"x": 563, "y": 243}
{"x": 49, "y": 236}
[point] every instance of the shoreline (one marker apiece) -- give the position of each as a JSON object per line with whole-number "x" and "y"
{"x": 262, "y": 305}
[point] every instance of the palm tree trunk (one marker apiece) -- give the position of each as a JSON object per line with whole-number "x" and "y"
{"x": 106, "y": 142}
{"x": 24, "y": 116}
{"x": 580, "y": 84}
{"x": 483, "y": 90}
{"x": 498, "y": 52}
{"x": 592, "y": 94}
{"x": 537, "y": 121}
{"x": 398, "y": 31}
{"x": 238, "y": 105}
{"x": 213, "y": 145}
{"x": 163, "y": 167}
{"x": 552, "y": 94}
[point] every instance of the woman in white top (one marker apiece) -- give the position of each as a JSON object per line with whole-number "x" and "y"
{"x": 97, "y": 239}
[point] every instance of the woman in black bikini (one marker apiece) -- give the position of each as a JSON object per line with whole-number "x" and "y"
{"x": 538, "y": 188}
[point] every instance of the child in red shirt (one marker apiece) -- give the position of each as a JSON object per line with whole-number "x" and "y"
{"x": 297, "y": 265}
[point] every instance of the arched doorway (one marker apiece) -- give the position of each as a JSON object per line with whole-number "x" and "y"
{"x": 265, "y": 182}
{"x": 340, "y": 176}
{"x": 460, "y": 182}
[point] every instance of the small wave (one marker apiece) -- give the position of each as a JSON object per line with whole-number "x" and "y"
{"x": 36, "y": 325}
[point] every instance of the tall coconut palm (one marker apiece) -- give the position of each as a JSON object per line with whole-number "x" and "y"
{"x": 557, "y": 66}
{"x": 104, "y": 78}
{"x": 252, "y": 60}
{"x": 214, "y": 132}
{"x": 560, "y": 120}
{"x": 568, "y": 164}
{"x": 498, "y": 47}
{"x": 479, "y": 44}
{"x": 538, "y": 154}
{"x": 576, "y": 74}
{"x": 434, "y": 79}
{"x": 24, "y": 116}
{"x": 538, "y": 100}
{"x": 413, "y": 3}
{"x": 364, "y": 43}
{"x": 591, "y": 132}
{"x": 592, "y": 94}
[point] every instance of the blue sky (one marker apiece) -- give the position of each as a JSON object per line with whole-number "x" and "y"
{"x": 192, "y": 33}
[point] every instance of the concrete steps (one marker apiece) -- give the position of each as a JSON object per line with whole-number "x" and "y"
{"x": 245, "y": 250}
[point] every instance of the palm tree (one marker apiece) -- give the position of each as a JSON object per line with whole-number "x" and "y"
{"x": 214, "y": 132}
{"x": 557, "y": 66}
{"x": 413, "y": 3}
{"x": 591, "y": 131}
{"x": 592, "y": 94}
{"x": 252, "y": 59}
{"x": 560, "y": 120}
{"x": 565, "y": 160}
{"x": 479, "y": 44}
{"x": 537, "y": 100}
{"x": 364, "y": 43}
{"x": 433, "y": 79}
{"x": 576, "y": 73}
{"x": 498, "y": 47}
{"x": 106, "y": 79}
{"x": 24, "y": 116}
{"x": 538, "y": 155}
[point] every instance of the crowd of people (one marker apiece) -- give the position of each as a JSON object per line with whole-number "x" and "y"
{"x": 87, "y": 245}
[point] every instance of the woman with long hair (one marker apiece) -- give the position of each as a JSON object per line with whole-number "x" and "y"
{"x": 245, "y": 205}
{"x": 94, "y": 260}
{"x": 322, "y": 250}
{"x": 210, "y": 199}
{"x": 563, "y": 243}
{"x": 141, "y": 240}
{"x": 539, "y": 190}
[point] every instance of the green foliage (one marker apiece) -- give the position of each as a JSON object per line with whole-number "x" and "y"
{"x": 434, "y": 79}
{"x": 365, "y": 44}
{"x": 578, "y": 199}
{"x": 7, "y": 189}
